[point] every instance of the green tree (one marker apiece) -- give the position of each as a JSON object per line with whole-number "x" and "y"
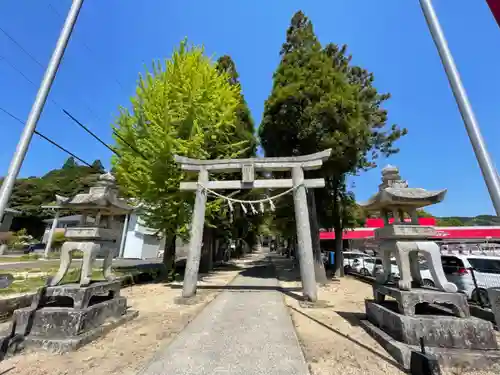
{"x": 423, "y": 213}
{"x": 319, "y": 101}
{"x": 244, "y": 125}
{"x": 69, "y": 163}
{"x": 244, "y": 227}
{"x": 449, "y": 222}
{"x": 184, "y": 107}
{"x": 31, "y": 193}
{"x": 97, "y": 165}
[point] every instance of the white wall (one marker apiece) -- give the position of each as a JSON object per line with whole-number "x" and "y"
{"x": 150, "y": 247}
{"x": 134, "y": 241}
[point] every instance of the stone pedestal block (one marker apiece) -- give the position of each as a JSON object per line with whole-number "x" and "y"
{"x": 408, "y": 300}
{"x": 447, "y": 358}
{"x": 66, "y": 317}
{"x": 81, "y": 296}
{"x": 62, "y": 322}
{"x": 494, "y": 296}
{"x": 437, "y": 331}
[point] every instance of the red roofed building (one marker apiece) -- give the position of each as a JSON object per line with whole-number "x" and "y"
{"x": 363, "y": 238}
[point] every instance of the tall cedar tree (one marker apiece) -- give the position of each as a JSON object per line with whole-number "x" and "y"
{"x": 298, "y": 86}
{"x": 319, "y": 101}
{"x": 243, "y": 227}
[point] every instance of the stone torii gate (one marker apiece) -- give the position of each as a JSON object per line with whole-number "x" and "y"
{"x": 297, "y": 165}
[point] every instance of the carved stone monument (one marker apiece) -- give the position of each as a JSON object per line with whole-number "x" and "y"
{"x": 64, "y": 317}
{"x": 440, "y": 316}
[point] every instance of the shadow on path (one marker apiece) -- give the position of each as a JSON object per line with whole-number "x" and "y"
{"x": 260, "y": 269}
{"x": 386, "y": 359}
{"x": 248, "y": 288}
{"x": 353, "y": 318}
{"x": 6, "y": 371}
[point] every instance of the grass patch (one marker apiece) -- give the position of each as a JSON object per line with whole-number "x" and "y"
{"x": 22, "y": 258}
{"x": 56, "y": 255}
{"x": 24, "y": 283}
{"x": 24, "y": 286}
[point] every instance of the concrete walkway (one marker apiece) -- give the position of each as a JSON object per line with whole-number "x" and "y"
{"x": 246, "y": 330}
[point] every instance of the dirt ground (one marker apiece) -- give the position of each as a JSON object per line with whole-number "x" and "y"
{"x": 331, "y": 337}
{"x": 128, "y": 348}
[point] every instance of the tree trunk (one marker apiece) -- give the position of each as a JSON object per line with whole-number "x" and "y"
{"x": 338, "y": 229}
{"x": 319, "y": 267}
{"x": 206, "y": 262}
{"x": 339, "y": 258}
{"x": 216, "y": 251}
{"x": 169, "y": 257}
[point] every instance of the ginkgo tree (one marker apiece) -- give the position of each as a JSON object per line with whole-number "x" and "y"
{"x": 184, "y": 106}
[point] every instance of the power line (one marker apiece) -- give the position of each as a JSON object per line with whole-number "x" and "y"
{"x": 21, "y": 47}
{"x": 37, "y": 62}
{"x": 46, "y": 138}
{"x": 102, "y": 142}
{"x": 129, "y": 145}
{"x": 9, "y": 63}
{"x": 82, "y": 42}
{"x": 3, "y": 58}
{"x": 90, "y": 132}
{"x": 62, "y": 148}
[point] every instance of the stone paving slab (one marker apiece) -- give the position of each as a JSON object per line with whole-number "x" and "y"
{"x": 246, "y": 330}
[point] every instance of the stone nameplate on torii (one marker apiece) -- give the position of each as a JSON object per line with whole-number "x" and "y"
{"x": 248, "y": 173}
{"x": 248, "y": 168}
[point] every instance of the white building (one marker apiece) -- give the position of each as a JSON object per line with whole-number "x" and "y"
{"x": 142, "y": 242}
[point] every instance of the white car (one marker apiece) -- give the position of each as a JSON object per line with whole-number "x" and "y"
{"x": 462, "y": 269}
{"x": 473, "y": 274}
{"x": 353, "y": 260}
{"x": 424, "y": 273}
{"x": 368, "y": 266}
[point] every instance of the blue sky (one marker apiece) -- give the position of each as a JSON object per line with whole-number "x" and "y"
{"x": 388, "y": 37}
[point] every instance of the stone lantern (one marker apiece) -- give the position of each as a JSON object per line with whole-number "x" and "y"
{"x": 402, "y": 236}
{"x": 64, "y": 317}
{"x": 437, "y": 318}
{"x": 97, "y": 229}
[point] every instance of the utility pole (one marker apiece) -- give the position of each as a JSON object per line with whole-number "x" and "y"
{"x": 488, "y": 169}
{"x": 38, "y": 104}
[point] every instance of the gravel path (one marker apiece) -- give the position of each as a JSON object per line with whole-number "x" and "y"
{"x": 246, "y": 330}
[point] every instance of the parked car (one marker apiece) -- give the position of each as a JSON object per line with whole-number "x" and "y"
{"x": 424, "y": 273}
{"x": 33, "y": 247}
{"x": 368, "y": 266}
{"x": 462, "y": 269}
{"x": 352, "y": 260}
{"x": 394, "y": 269}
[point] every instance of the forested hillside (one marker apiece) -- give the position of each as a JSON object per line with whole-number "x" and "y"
{"x": 480, "y": 220}
{"x": 31, "y": 193}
